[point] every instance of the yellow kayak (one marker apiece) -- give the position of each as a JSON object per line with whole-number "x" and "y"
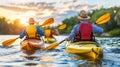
{"x": 85, "y": 49}
{"x": 31, "y": 45}
{"x": 49, "y": 40}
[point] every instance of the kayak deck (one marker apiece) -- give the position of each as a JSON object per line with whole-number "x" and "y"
{"x": 49, "y": 40}
{"x": 84, "y": 48}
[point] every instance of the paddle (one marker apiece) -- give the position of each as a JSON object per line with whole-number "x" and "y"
{"x": 103, "y": 19}
{"x": 53, "y": 45}
{"x": 63, "y": 26}
{"x": 10, "y": 41}
{"x": 48, "y": 22}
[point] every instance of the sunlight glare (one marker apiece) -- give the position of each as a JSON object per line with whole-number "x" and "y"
{"x": 23, "y": 20}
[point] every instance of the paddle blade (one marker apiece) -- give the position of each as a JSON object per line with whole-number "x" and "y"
{"x": 52, "y": 46}
{"x": 8, "y": 42}
{"x": 63, "y": 26}
{"x": 103, "y": 19}
{"x": 48, "y": 22}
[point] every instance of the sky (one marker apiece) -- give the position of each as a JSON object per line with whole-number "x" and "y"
{"x": 41, "y": 10}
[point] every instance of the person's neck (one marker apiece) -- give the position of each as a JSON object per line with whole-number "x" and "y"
{"x": 84, "y": 21}
{"x": 31, "y": 24}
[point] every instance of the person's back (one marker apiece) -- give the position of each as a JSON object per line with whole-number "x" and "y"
{"x": 84, "y": 30}
{"x": 49, "y": 32}
{"x": 32, "y": 31}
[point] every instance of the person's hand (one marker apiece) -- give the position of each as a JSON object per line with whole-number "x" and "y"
{"x": 104, "y": 34}
{"x": 66, "y": 39}
{"x": 94, "y": 23}
{"x": 40, "y": 26}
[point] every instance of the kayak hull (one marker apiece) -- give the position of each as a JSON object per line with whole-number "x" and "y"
{"x": 84, "y": 49}
{"x": 31, "y": 45}
{"x": 49, "y": 40}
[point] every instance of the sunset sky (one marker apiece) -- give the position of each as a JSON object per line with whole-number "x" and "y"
{"x": 44, "y": 9}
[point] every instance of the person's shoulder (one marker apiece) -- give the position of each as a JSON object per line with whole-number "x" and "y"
{"x": 37, "y": 26}
{"x": 76, "y": 25}
{"x": 94, "y": 25}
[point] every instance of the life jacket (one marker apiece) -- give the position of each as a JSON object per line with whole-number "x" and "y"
{"x": 31, "y": 32}
{"x": 48, "y": 33}
{"x": 85, "y": 32}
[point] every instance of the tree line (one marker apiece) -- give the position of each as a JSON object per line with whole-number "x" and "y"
{"x": 10, "y": 28}
{"x": 112, "y": 27}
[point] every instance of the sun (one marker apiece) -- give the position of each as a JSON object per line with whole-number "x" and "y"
{"x": 23, "y": 20}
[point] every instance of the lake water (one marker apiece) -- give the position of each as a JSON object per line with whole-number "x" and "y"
{"x": 13, "y": 57}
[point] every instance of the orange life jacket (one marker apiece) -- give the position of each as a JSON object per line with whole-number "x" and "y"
{"x": 31, "y": 32}
{"x": 48, "y": 33}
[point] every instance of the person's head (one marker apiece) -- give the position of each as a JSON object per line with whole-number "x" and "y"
{"x": 83, "y": 15}
{"x": 31, "y": 21}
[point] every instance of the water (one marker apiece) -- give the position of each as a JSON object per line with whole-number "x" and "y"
{"x": 13, "y": 57}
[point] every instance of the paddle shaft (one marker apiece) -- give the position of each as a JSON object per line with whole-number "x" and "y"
{"x": 61, "y": 41}
{"x": 97, "y": 44}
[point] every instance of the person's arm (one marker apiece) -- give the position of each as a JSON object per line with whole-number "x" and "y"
{"x": 73, "y": 32}
{"x": 40, "y": 31}
{"x": 97, "y": 29}
{"x": 22, "y": 34}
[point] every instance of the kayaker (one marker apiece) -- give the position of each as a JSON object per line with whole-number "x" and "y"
{"x": 49, "y": 33}
{"x": 84, "y": 30}
{"x": 32, "y": 31}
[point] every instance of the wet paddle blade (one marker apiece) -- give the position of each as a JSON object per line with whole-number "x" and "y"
{"x": 9, "y": 42}
{"x": 63, "y": 26}
{"x": 52, "y": 46}
{"x": 48, "y": 22}
{"x": 103, "y": 19}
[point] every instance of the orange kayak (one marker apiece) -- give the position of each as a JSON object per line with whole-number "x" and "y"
{"x": 31, "y": 45}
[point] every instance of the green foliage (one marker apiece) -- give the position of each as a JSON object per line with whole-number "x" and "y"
{"x": 115, "y": 32}
{"x": 70, "y": 23}
{"x": 117, "y": 18}
{"x": 3, "y": 25}
{"x": 10, "y": 28}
